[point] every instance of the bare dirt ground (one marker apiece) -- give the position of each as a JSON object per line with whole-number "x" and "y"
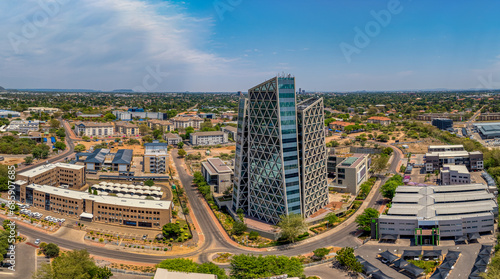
{"x": 138, "y": 149}
{"x": 13, "y": 160}
{"x": 422, "y": 147}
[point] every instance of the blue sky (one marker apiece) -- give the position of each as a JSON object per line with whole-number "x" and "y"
{"x": 192, "y": 46}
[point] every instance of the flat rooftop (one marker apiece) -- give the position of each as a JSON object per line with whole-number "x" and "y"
{"x": 445, "y": 146}
{"x": 41, "y": 169}
{"x": 127, "y": 202}
{"x": 458, "y": 168}
{"x": 216, "y": 166}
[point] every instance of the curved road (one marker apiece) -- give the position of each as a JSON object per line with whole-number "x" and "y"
{"x": 214, "y": 238}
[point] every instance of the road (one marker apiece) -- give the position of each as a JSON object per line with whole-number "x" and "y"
{"x": 214, "y": 238}
{"x": 69, "y": 151}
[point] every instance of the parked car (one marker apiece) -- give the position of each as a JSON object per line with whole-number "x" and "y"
{"x": 37, "y": 241}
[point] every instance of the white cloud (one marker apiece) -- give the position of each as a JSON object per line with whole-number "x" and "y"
{"x": 104, "y": 44}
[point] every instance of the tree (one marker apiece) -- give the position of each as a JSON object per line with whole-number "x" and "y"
{"x": 345, "y": 257}
{"x": 109, "y": 116}
{"x": 291, "y": 226}
{"x": 332, "y": 218}
{"x": 54, "y": 123}
{"x": 28, "y": 160}
{"x": 157, "y": 134}
{"x": 181, "y": 152}
{"x": 144, "y": 129}
{"x": 73, "y": 264}
{"x": 249, "y": 266}
{"x": 380, "y": 163}
{"x": 60, "y": 145}
{"x": 364, "y": 219}
{"x": 239, "y": 228}
{"x": 79, "y": 148}
{"x": 253, "y": 235}
{"x": 320, "y": 253}
{"x": 51, "y": 250}
{"x": 85, "y": 138}
{"x": 180, "y": 145}
{"x": 171, "y": 230}
{"x": 61, "y": 133}
{"x": 187, "y": 265}
{"x": 388, "y": 190}
{"x": 95, "y": 192}
{"x": 149, "y": 182}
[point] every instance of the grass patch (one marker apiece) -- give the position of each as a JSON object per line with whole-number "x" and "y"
{"x": 428, "y": 266}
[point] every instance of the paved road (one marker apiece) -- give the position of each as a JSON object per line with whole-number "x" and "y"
{"x": 69, "y": 151}
{"x": 214, "y": 239}
{"x": 25, "y": 263}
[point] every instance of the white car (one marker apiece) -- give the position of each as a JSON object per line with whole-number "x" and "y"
{"x": 37, "y": 241}
{"x": 62, "y": 220}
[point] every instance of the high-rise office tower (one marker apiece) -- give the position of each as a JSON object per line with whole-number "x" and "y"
{"x": 280, "y": 163}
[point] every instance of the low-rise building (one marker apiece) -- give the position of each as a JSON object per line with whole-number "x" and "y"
{"x": 430, "y": 116}
{"x": 103, "y": 209}
{"x": 172, "y": 138}
{"x": 384, "y": 121}
{"x": 155, "y": 157}
{"x": 182, "y": 122}
{"x": 23, "y": 126}
{"x": 208, "y": 138}
{"x": 42, "y": 109}
{"x": 445, "y": 148}
{"x": 454, "y": 174}
{"x": 443, "y": 123}
{"x": 488, "y": 130}
{"x": 436, "y": 160}
{"x": 489, "y": 116}
{"x": 339, "y": 125}
{"x": 167, "y": 274}
{"x": 351, "y": 173}
{"x": 229, "y": 116}
{"x": 93, "y": 129}
{"x": 230, "y": 130}
{"x": 430, "y": 213}
{"x": 9, "y": 113}
{"x": 101, "y": 159}
{"x": 162, "y": 125}
{"x": 217, "y": 174}
{"x": 127, "y": 128}
{"x": 55, "y": 175}
{"x": 134, "y": 113}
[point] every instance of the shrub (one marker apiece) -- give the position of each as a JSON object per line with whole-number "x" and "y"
{"x": 253, "y": 235}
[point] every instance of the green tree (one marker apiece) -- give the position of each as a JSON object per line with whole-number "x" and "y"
{"x": 51, "y": 250}
{"x": 320, "y": 253}
{"x": 60, "y": 145}
{"x": 181, "y": 152}
{"x": 171, "y": 230}
{"x": 364, "y": 219}
{"x": 291, "y": 226}
{"x": 380, "y": 163}
{"x": 239, "y": 228}
{"x": 157, "y": 134}
{"x": 54, "y": 123}
{"x": 249, "y": 266}
{"x": 109, "y": 116}
{"x": 28, "y": 160}
{"x": 95, "y": 192}
{"x": 253, "y": 235}
{"x": 149, "y": 182}
{"x": 79, "y": 148}
{"x": 85, "y": 138}
{"x": 180, "y": 145}
{"x": 332, "y": 218}
{"x": 388, "y": 190}
{"x": 211, "y": 268}
{"x": 73, "y": 264}
{"x": 345, "y": 257}
{"x": 144, "y": 129}
{"x": 179, "y": 264}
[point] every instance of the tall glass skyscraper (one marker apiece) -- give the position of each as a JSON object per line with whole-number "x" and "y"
{"x": 270, "y": 146}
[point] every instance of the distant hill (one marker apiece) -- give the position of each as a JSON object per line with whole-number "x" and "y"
{"x": 123, "y": 90}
